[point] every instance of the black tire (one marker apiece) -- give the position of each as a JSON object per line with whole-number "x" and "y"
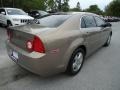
{"x": 1, "y": 25}
{"x": 70, "y": 69}
{"x": 108, "y": 41}
{"x": 9, "y": 23}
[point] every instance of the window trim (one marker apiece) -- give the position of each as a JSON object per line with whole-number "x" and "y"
{"x": 84, "y": 21}
{"x": 81, "y": 23}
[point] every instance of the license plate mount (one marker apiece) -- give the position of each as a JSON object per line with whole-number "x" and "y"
{"x": 14, "y": 56}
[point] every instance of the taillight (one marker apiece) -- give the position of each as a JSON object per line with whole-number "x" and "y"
{"x": 35, "y": 45}
{"x": 38, "y": 45}
{"x": 9, "y": 33}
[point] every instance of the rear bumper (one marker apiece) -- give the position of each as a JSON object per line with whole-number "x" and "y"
{"x": 38, "y": 63}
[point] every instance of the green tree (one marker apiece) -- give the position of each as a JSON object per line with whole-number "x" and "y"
{"x": 25, "y": 4}
{"x": 34, "y": 4}
{"x": 77, "y": 8}
{"x": 65, "y": 6}
{"x": 94, "y": 9}
{"x": 113, "y": 9}
{"x": 51, "y": 5}
{"x": 61, "y": 5}
{"x": 4, "y": 4}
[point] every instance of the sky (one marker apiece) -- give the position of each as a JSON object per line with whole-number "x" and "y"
{"x": 86, "y": 3}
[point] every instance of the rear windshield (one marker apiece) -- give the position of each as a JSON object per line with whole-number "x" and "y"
{"x": 53, "y": 20}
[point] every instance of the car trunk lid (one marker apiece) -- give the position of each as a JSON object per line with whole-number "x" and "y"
{"x": 22, "y": 34}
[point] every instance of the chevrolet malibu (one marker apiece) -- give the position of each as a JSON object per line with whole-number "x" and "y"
{"x": 59, "y": 44}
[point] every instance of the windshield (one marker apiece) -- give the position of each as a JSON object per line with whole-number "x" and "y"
{"x": 43, "y": 13}
{"x": 15, "y": 12}
{"x": 53, "y": 20}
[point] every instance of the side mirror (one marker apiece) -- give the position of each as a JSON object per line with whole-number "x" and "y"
{"x": 3, "y": 13}
{"x": 106, "y": 25}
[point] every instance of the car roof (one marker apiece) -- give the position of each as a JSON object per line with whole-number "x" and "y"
{"x": 82, "y": 13}
{"x": 74, "y": 13}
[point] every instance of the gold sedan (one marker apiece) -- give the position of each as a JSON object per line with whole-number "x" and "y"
{"x": 60, "y": 43}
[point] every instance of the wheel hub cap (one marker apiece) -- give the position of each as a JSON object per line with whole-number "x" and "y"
{"x": 78, "y": 59}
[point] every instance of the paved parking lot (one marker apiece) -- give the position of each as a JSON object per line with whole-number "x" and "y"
{"x": 101, "y": 71}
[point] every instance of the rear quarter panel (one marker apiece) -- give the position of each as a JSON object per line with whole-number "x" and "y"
{"x": 60, "y": 46}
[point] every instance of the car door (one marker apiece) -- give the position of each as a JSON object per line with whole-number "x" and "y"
{"x": 105, "y": 31}
{"x": 91, "y": 33}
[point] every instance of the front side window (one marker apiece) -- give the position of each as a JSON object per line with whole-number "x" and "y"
{"x": 89, "y": 21}
{"x": 99, "y": 21}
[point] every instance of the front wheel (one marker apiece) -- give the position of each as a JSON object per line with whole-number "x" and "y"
{"x": 9, "y": 23}
{"x": 76, "y": 61}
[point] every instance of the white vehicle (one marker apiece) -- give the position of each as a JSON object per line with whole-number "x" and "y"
{"x": 13, "y": 17}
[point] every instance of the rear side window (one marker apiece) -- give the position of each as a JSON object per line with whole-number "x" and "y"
{"x": 99, "y": 21}
{"x": 89, "y": 21}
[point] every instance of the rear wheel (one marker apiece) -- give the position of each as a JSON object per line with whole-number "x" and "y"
{"x": 1, "y": 25}
{"x": 76, "y": 61}
{"x": 108, "y": 41}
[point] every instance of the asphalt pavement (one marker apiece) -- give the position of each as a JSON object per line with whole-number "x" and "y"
{"x": 101, "y": 71}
